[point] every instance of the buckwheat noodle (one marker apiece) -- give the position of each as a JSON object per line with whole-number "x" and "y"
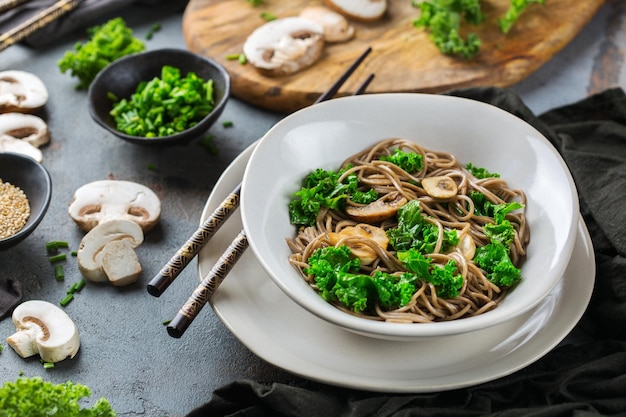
{"x": 478, "y": 294}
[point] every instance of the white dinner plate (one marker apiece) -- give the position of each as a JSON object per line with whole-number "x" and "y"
{"x": 279, "y": 331}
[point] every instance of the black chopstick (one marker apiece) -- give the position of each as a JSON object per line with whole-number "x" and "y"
{"x": 194, "y": 244}
{"x": 212, "y": 280}
{"x": 42, "y": 19}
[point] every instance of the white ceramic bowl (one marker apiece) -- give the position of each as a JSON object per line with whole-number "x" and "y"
{"x": 325, "y": 134}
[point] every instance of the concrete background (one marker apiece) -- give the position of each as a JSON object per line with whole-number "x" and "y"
{"x": 126, "y": 354}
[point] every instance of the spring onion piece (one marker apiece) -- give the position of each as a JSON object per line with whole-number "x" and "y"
{"x": 56, "y": 244}
{"x": 58, "y": 273}
{"x": 66, "y": 300}
{"x": 57, "y": 258}
{"x": 164, "y": 106}
{"x": 228, "y": 123}
{"x": 48, "y": 365}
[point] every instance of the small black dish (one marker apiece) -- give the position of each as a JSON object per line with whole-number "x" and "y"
{"x": 122, "y": 77}
{"x": 34, "y": 180}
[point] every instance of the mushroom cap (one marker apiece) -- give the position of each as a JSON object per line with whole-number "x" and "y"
{"x": 361, "y": 10}
{"x": 21, "y": 91}
{"x": 100, "y": 201}
{"x": 44, "y": 329}
{"x": 336, "y": 27}
{"x": 100, "y": 252}
{"x": 284, "y": 46}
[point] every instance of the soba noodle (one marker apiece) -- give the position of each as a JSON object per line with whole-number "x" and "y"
{"x": 478, "y": 293}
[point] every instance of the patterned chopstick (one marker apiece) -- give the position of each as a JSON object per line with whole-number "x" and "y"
{"x": 10, "y": 4}
{"x": 194, "y": 244}
{"x": 211, "y": 281}
{"x": 37, "y": 22}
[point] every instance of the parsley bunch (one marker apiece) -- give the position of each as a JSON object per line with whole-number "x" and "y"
{"x": 106, "y": 44}
{"x": 444, "y": 19}
{"x": 34, "y": 397}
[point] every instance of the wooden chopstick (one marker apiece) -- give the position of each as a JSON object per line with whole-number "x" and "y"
{"x": 212, "y": 280}
{"x": 39, "y": 21}
{"x": 10, "y": 4}
{"x": 194, "y": 244}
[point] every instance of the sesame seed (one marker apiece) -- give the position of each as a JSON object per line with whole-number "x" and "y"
{"x": 14, "y": 209}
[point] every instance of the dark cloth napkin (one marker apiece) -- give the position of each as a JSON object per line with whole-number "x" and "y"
{"x": 10, "y": 295}
{"x": 585, "y": 378}
{"x": 87, "y": 14}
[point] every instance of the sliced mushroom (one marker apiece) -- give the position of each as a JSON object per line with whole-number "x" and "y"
{"x": 9, "y": 144}
{"x": 44, "y": 329}
{"x": 440, "y": 187}
{"x": 467, "y": 246}
{"x": 284, "y": 46}
{"x": 101, "y": 201}
{"x": 361, "y": 10}
{"x": 21, "y": 91}
{"x": 335, "y": 26}
{"x": 364, "y": 252}
{"x": 107, "y": 253}
{"x": 381, "y": 209}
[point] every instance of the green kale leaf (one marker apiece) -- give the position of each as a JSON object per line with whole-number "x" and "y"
{"x": 322, "y": 188}
{"x": 411, "y": 162}
{"x": 414, "y": 232}
{"x": 479, "y": 172}
{"x": 446, "y": 279}
{"x": 494, "y": 259}
{"x": 336, "y": 277}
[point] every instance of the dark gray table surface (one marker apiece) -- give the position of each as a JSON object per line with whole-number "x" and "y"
{"x": 126, "y": 354}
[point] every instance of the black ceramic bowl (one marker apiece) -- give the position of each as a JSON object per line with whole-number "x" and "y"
{"x": 122, "y": 77}
{"x": 34, "y": 180}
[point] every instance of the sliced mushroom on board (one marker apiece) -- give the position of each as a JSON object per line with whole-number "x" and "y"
{"x": 335, "y": 26}
{"x": 284, "y": 46}
{"x": 21, "y": 91}
{"x": 361, "y": 10}
{"x": 100, "y": 201}
{"x": 44, "y": 329}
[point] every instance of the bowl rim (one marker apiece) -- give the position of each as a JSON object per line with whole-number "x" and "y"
{"x": 45, "y": 199}
{"x": 403, "y": 331}
{"x": 193, "y": 131}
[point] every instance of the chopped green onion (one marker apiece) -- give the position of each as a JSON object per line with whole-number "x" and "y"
{"x": 232, "y": 57}
{"x": 268, "y": 16}
{"x": 55, "y": 244}
{"x": 74, "y": 253}
{"x": 76, "y": 287}
{"x": 228, "y": 123}
{"x": 57, "y": 258}
{"x": 242, "y": 59}
{"x": 48, "y": 365}
{"x": 166, "y": 322}
{"x": 58, "y": 273}
{"x": 66, "y": 300}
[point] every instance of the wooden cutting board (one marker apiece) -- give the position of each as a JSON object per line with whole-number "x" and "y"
{"x": 403, "y": 57}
